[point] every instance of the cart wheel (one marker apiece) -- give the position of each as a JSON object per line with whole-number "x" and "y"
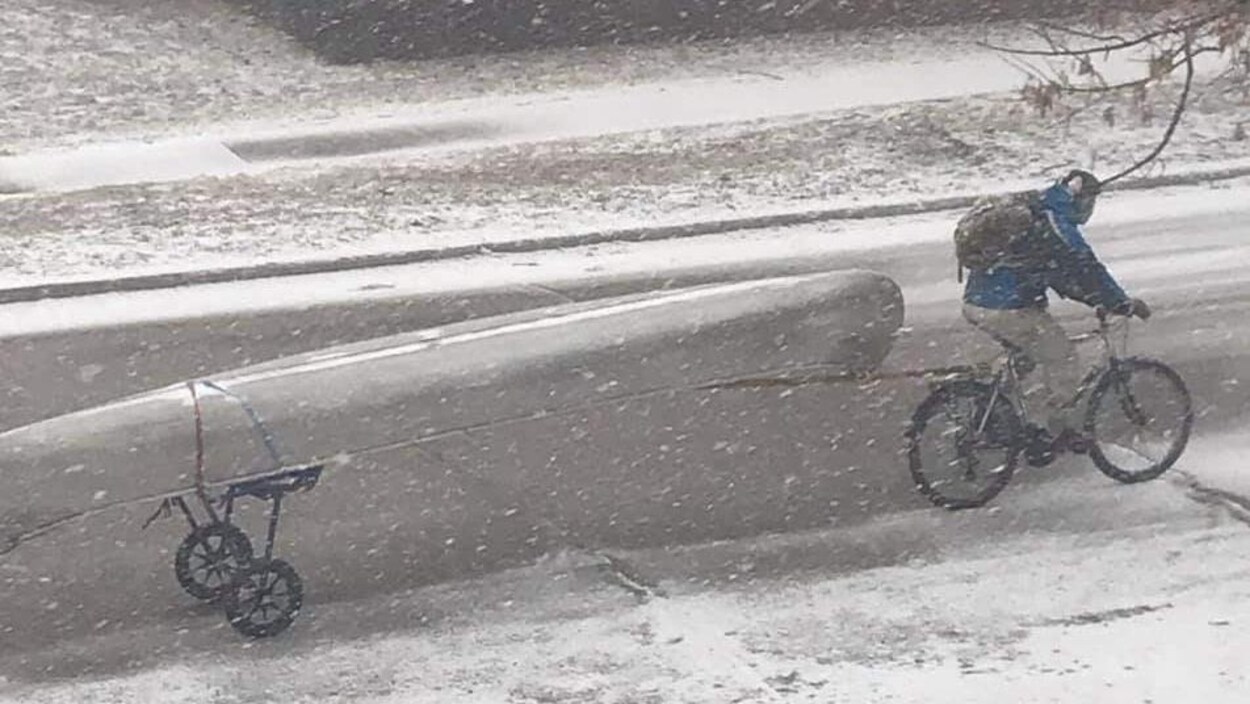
{"x": 265, "y": 599}
{"x": 209, "y": 557}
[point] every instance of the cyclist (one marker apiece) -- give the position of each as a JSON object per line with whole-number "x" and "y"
{"x": 1009, "y": 301}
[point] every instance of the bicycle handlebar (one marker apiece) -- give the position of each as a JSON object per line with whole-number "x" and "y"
{"x": 1104, "y": 316}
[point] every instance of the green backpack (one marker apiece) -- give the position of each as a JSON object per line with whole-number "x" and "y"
{"x": 990, "y": 233}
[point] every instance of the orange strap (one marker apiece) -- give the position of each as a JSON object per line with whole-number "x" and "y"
{"x": 199, "y": 438}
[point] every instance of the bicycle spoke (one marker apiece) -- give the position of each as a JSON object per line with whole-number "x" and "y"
{"x": 1132, "y": 409}
{"x": 970, "y": 469}
{"x": 962, "y": 455}
{"x": 1140, "y": 420}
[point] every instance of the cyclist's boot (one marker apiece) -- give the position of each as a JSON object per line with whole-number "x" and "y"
{"x": 1039, "y": 446}
{"x": 1071, "y": 441}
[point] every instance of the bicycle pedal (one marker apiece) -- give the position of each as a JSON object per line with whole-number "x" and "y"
{"x": 1073, "y": 442}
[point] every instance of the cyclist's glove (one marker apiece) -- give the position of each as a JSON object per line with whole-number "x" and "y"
{"x": 1134, "y": 307}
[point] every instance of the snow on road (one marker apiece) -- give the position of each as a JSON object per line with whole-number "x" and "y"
{"x": 1221, "y": 465}
{"x": 1071, "y": 590}
{"x": 1075, "y": 589}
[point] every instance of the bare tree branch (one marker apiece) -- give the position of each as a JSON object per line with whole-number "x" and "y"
{"x": 1104, "y": 38}
{"x": 1140, "y": 82}
{"x": 1058, "y": 51}
{"x": 1062, "y": 60}
{"x": 1176, "y": 120}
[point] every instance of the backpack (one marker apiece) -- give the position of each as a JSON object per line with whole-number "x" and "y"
{"x": 994, "y": 230}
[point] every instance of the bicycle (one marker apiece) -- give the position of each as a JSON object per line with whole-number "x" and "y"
{"x": 981, "y": 410}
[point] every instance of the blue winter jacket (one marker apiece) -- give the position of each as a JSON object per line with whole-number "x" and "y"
{"x": 1065, "y": 263}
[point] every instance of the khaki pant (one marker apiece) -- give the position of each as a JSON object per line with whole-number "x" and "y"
{"x": 1039, "y": 336}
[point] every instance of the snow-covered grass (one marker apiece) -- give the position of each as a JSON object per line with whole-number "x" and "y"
{"x": 81, "y": 70}
{"x": 679, "y": 175}
{"x": 146, "y": 71}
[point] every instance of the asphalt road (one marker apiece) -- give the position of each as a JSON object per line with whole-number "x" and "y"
{"x": 66, "y": 617}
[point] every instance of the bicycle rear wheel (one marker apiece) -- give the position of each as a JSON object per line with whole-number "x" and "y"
{"x": 961, "y": 451}
{"x": 1139, "y": 419}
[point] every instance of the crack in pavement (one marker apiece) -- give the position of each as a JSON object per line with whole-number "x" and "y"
{"x": 1097, "y": 617}
{"x": 626, "y": 575}
{"x": 1236, "y": 505}
{"x": 564, "y": 297}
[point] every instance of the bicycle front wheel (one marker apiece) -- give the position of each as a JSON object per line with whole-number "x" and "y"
{"x": 962, "y": 451}
{"x": 1139, "y": 419}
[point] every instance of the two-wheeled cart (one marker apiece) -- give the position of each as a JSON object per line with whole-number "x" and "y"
{"x": 260, "y": 594}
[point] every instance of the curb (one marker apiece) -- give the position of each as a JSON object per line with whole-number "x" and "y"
{"x": 535, "y": 244}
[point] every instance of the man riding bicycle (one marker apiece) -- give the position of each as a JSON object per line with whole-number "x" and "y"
{"x": 1008, "y": 298}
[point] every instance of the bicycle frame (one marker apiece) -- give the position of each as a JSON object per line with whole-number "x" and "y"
{"x": 1111, "y": 356}
{"x": 1008, "y": 372}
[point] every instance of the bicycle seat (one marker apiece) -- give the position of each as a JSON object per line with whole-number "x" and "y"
{"x": 291, "y": 480}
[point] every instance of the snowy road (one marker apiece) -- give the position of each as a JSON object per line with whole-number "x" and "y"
{"x": 1183, "y": 250}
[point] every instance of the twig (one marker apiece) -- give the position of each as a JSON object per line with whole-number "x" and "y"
{"x": 1137, "y": 83}
{"x": 1106, "y": 88}
{"x": 1027, "y": 69}
{"x": 765, "y": 74}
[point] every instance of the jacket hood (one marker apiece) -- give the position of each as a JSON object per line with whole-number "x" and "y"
{"x": 1060, "y": 200}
